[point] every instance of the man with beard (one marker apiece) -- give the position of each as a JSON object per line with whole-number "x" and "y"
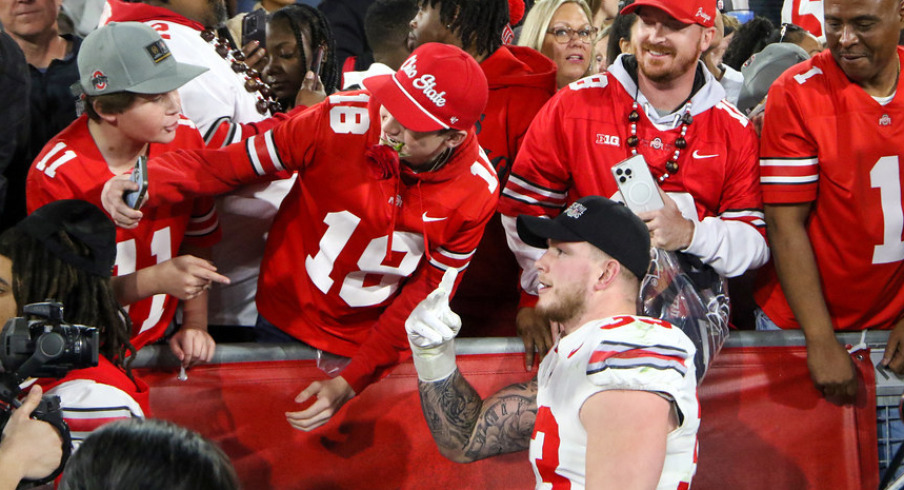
{"x": 663, "y": 104}
{"x": 228, "y": 103}
{"x": 832, "y": 185}
{"x": 614, "y": 404}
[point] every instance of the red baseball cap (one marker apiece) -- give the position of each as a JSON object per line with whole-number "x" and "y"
{"x": 701, "y": 12}
{"x": 438, "y": 87}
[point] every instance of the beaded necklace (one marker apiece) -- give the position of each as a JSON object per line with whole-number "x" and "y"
{"x": 253, "y": 82}
{"x": 671, "y": 166}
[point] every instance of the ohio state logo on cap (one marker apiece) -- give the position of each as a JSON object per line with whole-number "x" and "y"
{"x": 99, "y": 80}
{"x": 426, "y": 83}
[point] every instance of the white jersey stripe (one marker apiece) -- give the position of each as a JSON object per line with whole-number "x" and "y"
{"x": 252, "y": 154}
{"x": 514, "y": 179}
{"x": 774, "y": 162}
{"x": 56, "y": 149}
{"x": 805, "y": 179}
{"x": 271, "y": 149}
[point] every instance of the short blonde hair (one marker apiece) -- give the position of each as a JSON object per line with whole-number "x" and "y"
{"x": 533, "y": 31}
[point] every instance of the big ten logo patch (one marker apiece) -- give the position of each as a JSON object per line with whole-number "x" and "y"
{"x": 608, "y": 139}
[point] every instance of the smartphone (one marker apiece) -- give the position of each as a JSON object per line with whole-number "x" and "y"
{"x": 139, "y": 176}
{"x": 254, "y": 27}
{"x": 317, "y": 62}
{"x": 636, "y": 184}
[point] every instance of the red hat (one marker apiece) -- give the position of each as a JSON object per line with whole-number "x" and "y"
{"x": 438, "y": 87}
{"x": 516, "y": 11}
{"x": 701, "y": 12}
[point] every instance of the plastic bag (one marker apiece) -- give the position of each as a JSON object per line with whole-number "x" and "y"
{"x": 691, "y": 296}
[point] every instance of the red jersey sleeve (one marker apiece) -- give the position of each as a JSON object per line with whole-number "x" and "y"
{"x": 540, "y": 179}
{"x": 789, "y": 169}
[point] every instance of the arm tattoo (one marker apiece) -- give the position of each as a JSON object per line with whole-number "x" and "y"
{"x": 467, "y": 428}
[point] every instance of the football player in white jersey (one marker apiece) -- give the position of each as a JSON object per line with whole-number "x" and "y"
{"x": 614, "y": 402}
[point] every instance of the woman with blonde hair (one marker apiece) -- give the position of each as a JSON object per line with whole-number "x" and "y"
{"x": 563, "y": 32}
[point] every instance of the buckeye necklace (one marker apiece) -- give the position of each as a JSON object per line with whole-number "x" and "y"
{"x": 671, "y": 166}
{"x": 253, "y": 82}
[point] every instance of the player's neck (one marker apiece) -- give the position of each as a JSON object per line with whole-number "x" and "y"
{"x": 604, "y": 306}
{"x": 667, "y": 96}
{"x": 118, "y": 150}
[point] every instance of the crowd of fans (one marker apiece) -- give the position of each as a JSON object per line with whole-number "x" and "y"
{"x": 315, "y": 187}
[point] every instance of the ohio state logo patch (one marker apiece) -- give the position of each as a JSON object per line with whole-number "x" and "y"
{"x": 99, "y": 80}
{"x": 575, "y": 210}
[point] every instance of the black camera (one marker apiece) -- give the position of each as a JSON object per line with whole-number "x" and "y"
{"x": 43, "y": 345}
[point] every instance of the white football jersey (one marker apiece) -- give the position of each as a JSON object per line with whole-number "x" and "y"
{"x": 617, "y": 353}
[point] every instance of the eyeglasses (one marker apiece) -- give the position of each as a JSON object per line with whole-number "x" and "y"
{"x": 566, "y": 34}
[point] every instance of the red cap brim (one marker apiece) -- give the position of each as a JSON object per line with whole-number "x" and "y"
{"x": 401, "y": 105}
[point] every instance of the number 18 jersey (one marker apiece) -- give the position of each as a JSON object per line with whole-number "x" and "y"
{"x": 828, "y": 142}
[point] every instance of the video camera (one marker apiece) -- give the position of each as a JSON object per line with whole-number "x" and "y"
{"x": 42, "y": 345}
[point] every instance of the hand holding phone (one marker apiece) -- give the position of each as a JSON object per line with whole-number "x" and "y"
{"x": 139, "y": 176}
{"x": 254, "y": 27}
{"x": 636, "y": 184}
{"x": 317, "y": 62}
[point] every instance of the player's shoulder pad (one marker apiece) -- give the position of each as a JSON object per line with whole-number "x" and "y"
{"x": 633, "y": 342}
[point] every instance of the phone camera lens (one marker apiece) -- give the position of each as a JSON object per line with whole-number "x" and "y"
{"x": 628, "y": 171}
{"x": 622, "y": 179}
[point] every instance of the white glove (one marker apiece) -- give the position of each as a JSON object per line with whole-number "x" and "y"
{"x": 431, "y": 328}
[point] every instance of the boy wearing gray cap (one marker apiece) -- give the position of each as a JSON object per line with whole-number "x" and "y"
{"x": 129, "y": 79}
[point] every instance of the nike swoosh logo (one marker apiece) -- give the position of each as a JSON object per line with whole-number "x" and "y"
{"x": 697, "y": 155}
{"x": 428, "y": 219}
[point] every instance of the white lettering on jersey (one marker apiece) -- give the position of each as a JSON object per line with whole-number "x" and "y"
{"x": 349, "y": 119}
{"x": 340, "y": 228}
{"x": 733, "y": 112}
{"x": 886, "y": 176}
{"x": 126, "y": 263}
{"x": 50, "y": 170}
{"x": 608, "y": 139}
{"x": 598, "y": 81}
{"x": 803, "y": 77}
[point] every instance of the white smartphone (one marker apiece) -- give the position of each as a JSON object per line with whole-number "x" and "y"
{"x": 140, "y": 176}
{"x": 636, "y": 184}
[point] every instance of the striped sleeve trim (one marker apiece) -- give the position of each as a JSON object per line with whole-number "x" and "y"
{"x": 791, "y": 171}
{"x": 442, "y": 259}
{"x": 222, "y": 132}
{"x": 755, "y": 217}
{"x": 82, "y": 421}
{"x": 263, "y": 155}
{"x": 204, "y": 224}
{"x": 624, "y": 355}
{"x": 522, "y": 190}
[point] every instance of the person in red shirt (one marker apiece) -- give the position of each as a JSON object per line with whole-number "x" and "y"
{"x": 132, "y": 109}
{"x": 520, "y": 81}
{"x": 361, "y": 238}
{"x": 663, "y": 104}
{"x": 832, "y": 180}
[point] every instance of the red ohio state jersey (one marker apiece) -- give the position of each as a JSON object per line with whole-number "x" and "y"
{"x": 72, "y": 167}
{"x": 827, "y": 142}
{"x": 354, "y": 246}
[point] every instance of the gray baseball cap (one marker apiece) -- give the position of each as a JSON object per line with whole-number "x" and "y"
{"x": 130, "y": 57}
{"x": 763, "y": 68}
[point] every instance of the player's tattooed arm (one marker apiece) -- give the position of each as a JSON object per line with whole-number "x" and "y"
{"x": 467, "y": 428}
